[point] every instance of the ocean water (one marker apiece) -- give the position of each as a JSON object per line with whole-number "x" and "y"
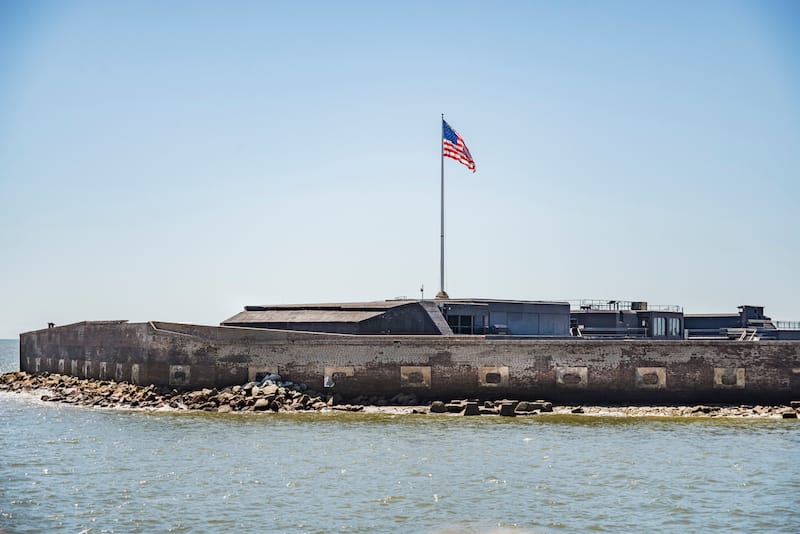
{"x": 74, "y": 469}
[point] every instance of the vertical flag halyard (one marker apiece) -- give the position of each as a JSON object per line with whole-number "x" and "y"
{"x": 453, "y": 146}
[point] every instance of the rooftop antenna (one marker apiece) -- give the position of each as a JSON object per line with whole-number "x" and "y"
{"x": 422, "y": 292}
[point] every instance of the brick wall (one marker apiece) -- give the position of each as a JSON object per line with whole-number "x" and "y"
{"x": 564, "y": 370}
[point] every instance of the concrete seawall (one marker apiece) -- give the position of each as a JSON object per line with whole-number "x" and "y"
{"x": 433, "y": 367}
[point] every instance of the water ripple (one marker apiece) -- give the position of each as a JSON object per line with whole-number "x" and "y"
{"x": 73, "y": 469}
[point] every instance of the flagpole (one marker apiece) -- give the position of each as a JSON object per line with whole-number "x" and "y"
{"x": 442, "y": 294}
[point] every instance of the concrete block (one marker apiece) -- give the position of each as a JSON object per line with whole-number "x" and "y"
{"x": 135, "y": 374}
{"x": 651, "y": 377}
{"x": 334, "y": 374}
{"x": 471, "y": 408}
{"x": 572, "y": 377}
{"x": 415, "y": 376}
{"x": 454, "y": 407}
{"x": 490, "y": 377}
{"x": 729, "y": 378}
{"x": 507, "y": 408}
{"x": 180, "y": 375}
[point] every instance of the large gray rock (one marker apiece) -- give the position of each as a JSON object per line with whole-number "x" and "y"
{"x": 438, "y": 407}
{"x": 261, "y": 405}
{"x": 270, "y": 390}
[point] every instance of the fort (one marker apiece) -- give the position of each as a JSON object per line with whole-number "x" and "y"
{"x": 592, "y": 351}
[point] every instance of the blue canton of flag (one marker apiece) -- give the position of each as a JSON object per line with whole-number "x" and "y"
{"x": 453, "y": 146}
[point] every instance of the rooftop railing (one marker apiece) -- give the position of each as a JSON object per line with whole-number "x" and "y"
{"x": 616, "y": 305}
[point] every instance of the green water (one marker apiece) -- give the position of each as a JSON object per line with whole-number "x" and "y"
{"x": 69, "y": 469}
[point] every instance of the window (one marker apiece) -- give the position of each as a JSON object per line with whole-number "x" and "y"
{"x": 659, "y": 326}
{"x": 460, "y": 324}
{"x": 673, "y": 327}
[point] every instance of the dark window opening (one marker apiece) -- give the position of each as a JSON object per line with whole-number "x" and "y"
{"x": 729, "y": 378}
{"x": 651, "y": 379}
{"x": 571, "y": 379}
{"x": 493, "y": 378}
{"x": 460, "y": 324}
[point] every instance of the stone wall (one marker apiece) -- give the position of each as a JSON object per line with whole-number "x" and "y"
{"x": 440, "y": 367}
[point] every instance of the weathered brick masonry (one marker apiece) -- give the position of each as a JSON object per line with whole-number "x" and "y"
{"x": 434, "y": 367}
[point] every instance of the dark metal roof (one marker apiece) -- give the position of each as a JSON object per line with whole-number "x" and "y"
{"x": 379, "y": 305}
{"x": 301, "y": 316}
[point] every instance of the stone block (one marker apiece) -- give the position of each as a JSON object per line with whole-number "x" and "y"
{"x": 454, "y": 407}
{"x": 471, "y": 408}
{"x": 507, "y": 408}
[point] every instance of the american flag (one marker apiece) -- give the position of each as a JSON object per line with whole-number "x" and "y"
{"x": 453, "y": 147}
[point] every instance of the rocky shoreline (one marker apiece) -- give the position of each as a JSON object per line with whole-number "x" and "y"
{"x": 272, "y": 394}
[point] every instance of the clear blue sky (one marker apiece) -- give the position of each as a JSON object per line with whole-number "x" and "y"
{"x": 178, "y": 160}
